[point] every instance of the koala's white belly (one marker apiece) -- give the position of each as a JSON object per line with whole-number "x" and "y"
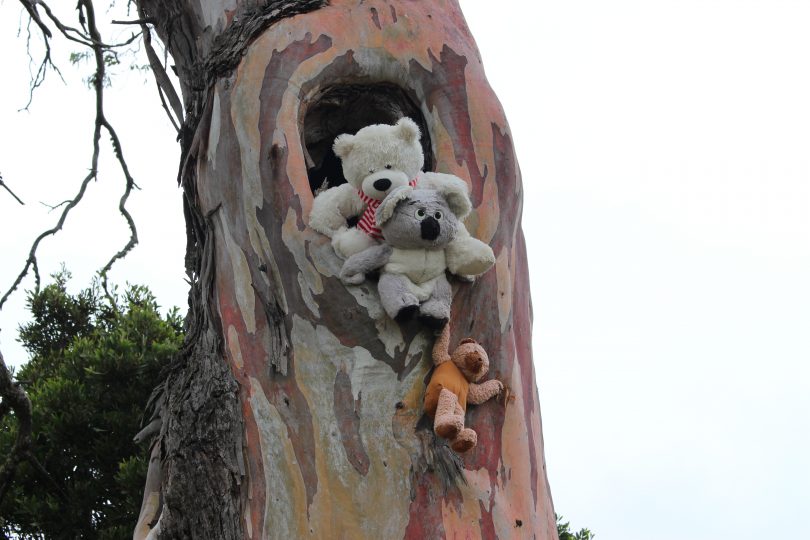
{"x": 420, "y": 266}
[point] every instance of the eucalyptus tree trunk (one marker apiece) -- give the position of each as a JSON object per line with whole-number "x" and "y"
{"x": 295, "y": 409}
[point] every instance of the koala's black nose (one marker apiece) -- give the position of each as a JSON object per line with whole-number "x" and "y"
{"x": 430, "y": 228}
{"x": 382, "y": 184}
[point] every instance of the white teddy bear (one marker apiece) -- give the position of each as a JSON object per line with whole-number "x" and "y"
{"x": 376, "y": 160}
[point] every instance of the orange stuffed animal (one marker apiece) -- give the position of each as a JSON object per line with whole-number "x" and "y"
{"x": 453, "y": 384}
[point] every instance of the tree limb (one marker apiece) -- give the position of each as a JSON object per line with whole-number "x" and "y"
{"x": 96, "y": 44}
{"x": 4, "y": 186}
{"x": 14, "y": 398}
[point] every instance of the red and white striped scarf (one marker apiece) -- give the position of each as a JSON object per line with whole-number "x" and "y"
{"x": 367, "y": 222}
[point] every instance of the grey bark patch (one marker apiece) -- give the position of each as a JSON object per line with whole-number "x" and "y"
{"x": 347, "y": 412}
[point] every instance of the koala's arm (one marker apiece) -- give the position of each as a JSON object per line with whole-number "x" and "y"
{"x": 467, "y": 255}
{"x": 333, "y": 207}
{"x": 441, "y": 348}
{"x": 358, "y": 265}
{"x": 479, "y": 393}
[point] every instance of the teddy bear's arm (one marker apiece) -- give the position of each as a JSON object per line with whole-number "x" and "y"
{"x": 479, "y": 393}
{"x": 333, "y": 207}
{"x": 441, "y": 347}
{"x": 358, "y": 265}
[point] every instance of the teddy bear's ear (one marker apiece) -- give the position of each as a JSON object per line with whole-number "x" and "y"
{"x": 343, "y": 145}
{"x": 389, "y": 204}
{"x": 458, "y": 200}
{"x": 407, "y": 130}
{"x": 467, "y": 340}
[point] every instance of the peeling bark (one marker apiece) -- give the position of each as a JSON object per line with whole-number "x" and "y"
{"x": 294, "y": 409}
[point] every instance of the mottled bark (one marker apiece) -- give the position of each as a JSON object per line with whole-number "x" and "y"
{"x": 295, "y": 409}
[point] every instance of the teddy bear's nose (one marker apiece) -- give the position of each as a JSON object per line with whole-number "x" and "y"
{"x": 382, "y": 184}
{"x": 474, "y": 362}
{"x": 430, "y": 228}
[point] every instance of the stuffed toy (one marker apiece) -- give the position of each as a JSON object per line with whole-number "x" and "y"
{"x": 377, "y": 160}
{"x": 418, "y": 225}
{"x": 453, "y": 384}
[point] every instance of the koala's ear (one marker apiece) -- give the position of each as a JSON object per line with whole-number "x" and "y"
{"x": 389, "y": 204}
{"x": 343, "y": 145}
{"x": 407, "y": 130}
{"x": 458, "y": 200}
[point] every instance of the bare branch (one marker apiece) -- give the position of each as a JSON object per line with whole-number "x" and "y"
{"x": 31, "y": 262}
{"x": 46, "y": 62}
{"x": 130, "y": 183}
{"x": 96, "y": 44}
{"x": 52, "y": 207}
{"x": 146, "y": 20}
{"x": 4, "y": 186}
{"x": 17, "y": 400}
{"x": 98, "y": 51}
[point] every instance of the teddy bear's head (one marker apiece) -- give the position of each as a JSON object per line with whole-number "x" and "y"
{"x": 380, "y": 158}
{"x": 422, "y": 218}
{"x": 471, "y": 359}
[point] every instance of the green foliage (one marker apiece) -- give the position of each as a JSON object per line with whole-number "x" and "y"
{"x": 95, "y": 361}
{"x": 564, "y": 531}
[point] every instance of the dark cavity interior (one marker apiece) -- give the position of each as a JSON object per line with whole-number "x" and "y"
{"x": 346, "y": 109}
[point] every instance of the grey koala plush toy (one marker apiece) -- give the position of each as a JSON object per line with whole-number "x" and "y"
{"x": 417, "y": 225}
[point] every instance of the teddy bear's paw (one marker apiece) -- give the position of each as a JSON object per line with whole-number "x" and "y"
{"x": 448, "y": 426}
{"x": 347, "y": 242}
{"x": 465, "y": 440}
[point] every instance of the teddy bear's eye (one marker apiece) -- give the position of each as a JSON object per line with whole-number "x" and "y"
{"x": 420, "y": 213}
{"x": 371, "y": 171}
{"x": 388, "y": 166}
{"x": 437, "y": 215}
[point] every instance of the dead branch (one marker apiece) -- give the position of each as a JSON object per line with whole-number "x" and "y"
{"x": 31, "y": 261}
{"x": 101, "y": 120}
{"x": 52, "y": 207}
{"x": 145, "y": 20}
{"x": 96, "y": 44}
{"x": 4, "y": 186}
{"x": 46, "y": 62}
{"x": 15, "y": 399}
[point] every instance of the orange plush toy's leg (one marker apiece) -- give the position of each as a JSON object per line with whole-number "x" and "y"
{"x": 448, "y": 422}
{"x": 465, "y": 440}
{"x": 466, "y": 437}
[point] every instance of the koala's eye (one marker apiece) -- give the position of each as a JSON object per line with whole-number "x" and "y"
{"x": 420, "y": 213}
{"x": 437, "y": 215}
{"x": 388, "y": 166}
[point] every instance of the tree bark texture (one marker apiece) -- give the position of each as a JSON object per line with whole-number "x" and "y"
{"x": 296, "y": 409}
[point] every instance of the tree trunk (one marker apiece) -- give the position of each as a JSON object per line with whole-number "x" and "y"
{"x": 295, "y": 409}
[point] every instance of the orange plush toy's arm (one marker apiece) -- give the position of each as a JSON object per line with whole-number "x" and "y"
{"x": 479, "y": 393}
{"x": 441, "y": 349}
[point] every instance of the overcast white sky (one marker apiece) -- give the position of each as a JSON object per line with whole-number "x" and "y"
{"x": 665, "y": 150}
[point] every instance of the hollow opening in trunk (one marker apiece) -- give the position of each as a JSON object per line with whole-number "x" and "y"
{"x": 346, "y": 109}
